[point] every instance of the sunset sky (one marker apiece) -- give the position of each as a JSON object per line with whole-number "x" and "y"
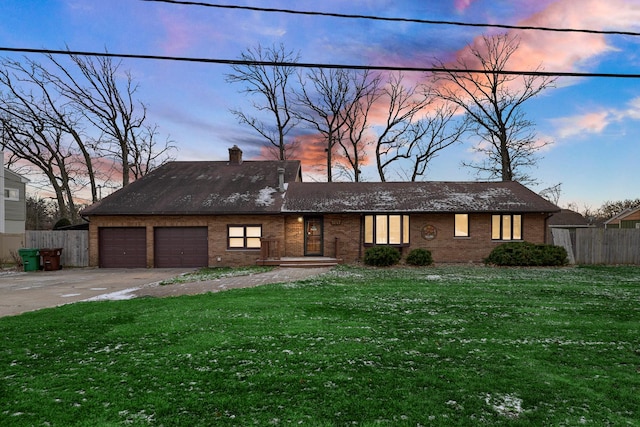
{"x": 594, "y": 123}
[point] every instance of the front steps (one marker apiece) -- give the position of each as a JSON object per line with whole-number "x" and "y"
{"x": 302, "y": 262}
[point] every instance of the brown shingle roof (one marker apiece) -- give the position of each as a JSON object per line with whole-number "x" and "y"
{"x": 568, "y": 217}
{"x": 218, "y": 187}
{"x": 427, "y": 197}
{"x": 193, "y": 188}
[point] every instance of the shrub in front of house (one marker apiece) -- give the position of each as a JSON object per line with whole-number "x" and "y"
{"x": 419, "y": 257}
{"x": 381, "y": 256}
{"x": 525, "y": 254}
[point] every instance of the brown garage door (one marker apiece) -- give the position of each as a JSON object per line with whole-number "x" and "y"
{"x": 181, "y": 247}
{"x": 123, "y": 247}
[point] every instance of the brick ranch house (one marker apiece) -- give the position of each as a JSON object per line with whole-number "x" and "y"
{"x": 233, "y": 213}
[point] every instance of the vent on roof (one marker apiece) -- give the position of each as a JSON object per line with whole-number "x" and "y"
{"x": 235, "y": 155}
{"x": 281, "y": 180}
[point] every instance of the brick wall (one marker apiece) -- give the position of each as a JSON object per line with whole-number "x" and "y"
{"x": 294, "y": 236}
{"x": 346, "y": 228}
{"x": 219, "y": 255}
{"x": 444, "y": 247}
{"x": 447, "y": 248}
{"x": 288, "y": 230}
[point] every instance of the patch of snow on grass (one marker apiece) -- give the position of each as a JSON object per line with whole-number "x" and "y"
{"x": 506, "y": 405}
{"x": 122, "y": 295}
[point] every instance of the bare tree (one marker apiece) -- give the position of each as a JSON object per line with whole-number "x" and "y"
{"x": 48, "y": 105}
{"x": 271, "y": 83}
{"x": 552, "y": 193}
{"x": 43, "y": 146}
{"x": 50, "y": 121}
{"x": 493, "y": 103}
{"x": 610, "y": 208}
{"x": 414, "y": 129}
{"x": 354, "y": 136}
{"x": 107, "y": 102}
{"x": 327, "y": 99}
{"x": 34, "y": 129}
{"x": 145, "y": 150}
{"x": 431, "y": 134}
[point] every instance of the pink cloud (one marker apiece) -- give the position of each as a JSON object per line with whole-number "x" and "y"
{"x": 575, "y": 51}
{"x": 633, "y": 109}
{"x": 556, "y": 51}
{"x": 182, "y": 33}
{"x": 593, "y": 123}
{"x": 462, "y": 5}
{"x": 178, "y": 34}
{"x": 597, "y": 121}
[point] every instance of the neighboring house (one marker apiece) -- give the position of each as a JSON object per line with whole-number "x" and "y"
{"x": 13, "y": 213}
{"x": 568, "y": 220}
{"x": 229, "y": 213}
{"x": 628, "y": 218}
{"x": 15, "y": 204}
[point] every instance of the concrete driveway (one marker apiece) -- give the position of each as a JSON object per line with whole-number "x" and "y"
{"x": 27, "y": 291}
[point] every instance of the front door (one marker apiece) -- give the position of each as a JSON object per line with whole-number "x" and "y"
{"x": 313, "y": 236}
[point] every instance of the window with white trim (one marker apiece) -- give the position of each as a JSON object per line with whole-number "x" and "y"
{"x": 506, "y": 227}
{"x": 244, "y": 236}
{"x": 461, "y": 227}
{"x": 386, "y": 230}
{"x": 12, "y": 194}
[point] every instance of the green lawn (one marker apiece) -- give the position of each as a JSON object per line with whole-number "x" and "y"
{"x": 460, "y": 346}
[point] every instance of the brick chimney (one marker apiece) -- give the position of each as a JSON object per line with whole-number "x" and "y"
{"x": 235, "y": 155}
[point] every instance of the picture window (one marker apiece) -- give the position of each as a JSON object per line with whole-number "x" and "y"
{"x": 506, "y": 227}
{"x": 386, "y": 230}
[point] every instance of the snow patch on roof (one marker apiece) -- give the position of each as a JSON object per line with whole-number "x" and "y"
{"x": 265, "y": 197}
{"x": 235, "y": 198}
{"x": 411, "y": 197}
{"x": 209, "y": 201}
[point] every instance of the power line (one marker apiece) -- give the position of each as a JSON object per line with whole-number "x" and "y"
{"x": 391, "y": 19}
{"x": 316, "y": 65}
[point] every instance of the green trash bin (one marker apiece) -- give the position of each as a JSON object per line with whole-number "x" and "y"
{"x": 30, "y": 259}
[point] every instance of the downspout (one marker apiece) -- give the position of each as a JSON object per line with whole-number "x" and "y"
{"x": 361, "y": 237}
{"x": 2, "y": 202}
{"x": 546, "y": 228}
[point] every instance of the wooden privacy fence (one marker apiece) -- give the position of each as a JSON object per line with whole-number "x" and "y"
{"x": 607, "y": 246}
{"x": 74, "y": 244}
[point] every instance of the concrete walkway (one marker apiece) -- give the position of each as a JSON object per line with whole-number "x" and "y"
{"x": 279, "y": 275}
{"x": 28, "y": 291}
{"x": 21, "y": 292}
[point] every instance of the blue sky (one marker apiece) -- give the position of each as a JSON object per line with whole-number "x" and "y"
{"x": 594, "y": 123}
